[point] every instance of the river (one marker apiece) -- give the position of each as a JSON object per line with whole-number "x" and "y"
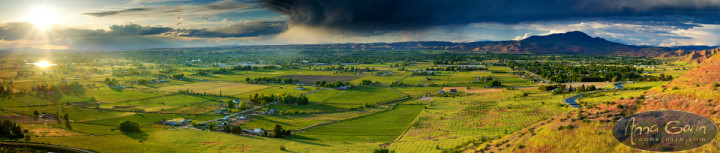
{"x": 571, "y": 101}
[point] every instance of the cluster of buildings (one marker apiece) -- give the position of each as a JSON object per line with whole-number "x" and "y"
{"x": 177, "y": 122}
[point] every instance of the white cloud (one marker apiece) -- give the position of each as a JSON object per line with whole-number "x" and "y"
{"x": 521, "y": 37}
{"x": 706, "y": 34}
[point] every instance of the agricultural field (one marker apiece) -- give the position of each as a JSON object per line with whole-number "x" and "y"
{"x": 361, "y": 96}
{"x": 311, "y": 79}
{"x": 214, "y": 87}
{"x": 279, "y": 89}
{"x": 110, "y": 95}
{"x": 292, "y": 118}
{"x": 470, "y": 90}
{"x": 418, "y": 91}
{"x": 449, "y": 122}
{"x": 158, "y": 103}
{"x": 382, "y": 127}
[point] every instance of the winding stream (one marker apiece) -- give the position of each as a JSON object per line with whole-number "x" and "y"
{"x": 571, "y": 100}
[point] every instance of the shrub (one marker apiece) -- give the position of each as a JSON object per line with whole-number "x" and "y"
{"x": 619, "y": 106}
{"x": 282, "y": 147}
{"x": 383, "y": 150}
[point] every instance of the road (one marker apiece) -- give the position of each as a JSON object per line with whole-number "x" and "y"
{"x": 535, "y": 75}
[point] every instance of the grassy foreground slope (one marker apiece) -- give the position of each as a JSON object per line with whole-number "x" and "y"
{"x": 451, "y": 122}
{"x": 187, "y": 140}
{"x": 695, "y": 91}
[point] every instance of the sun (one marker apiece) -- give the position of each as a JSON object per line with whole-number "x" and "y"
{"x": 43, "y": 17}
{"x": 43, "y": 64}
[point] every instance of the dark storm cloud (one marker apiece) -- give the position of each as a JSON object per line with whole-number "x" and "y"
{"x": 22, "y": 30}
{"x": 134, "y": 29}
{"x": 409, "y": 14}
{"x": 134, "y": 36}
{"x": 250, "y": 29}
{"x": 213, "y": 8}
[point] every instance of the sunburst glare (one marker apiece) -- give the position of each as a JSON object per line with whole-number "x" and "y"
{"x": 43, "y": 17}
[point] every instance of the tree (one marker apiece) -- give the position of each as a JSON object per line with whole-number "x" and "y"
{"x": 66, "y": 117}
{"x": 496, "y": 83}
{"x": 241, "y": 105}
{"x": 278, "y": 130}
{"x": 129, "y": 127}
{"x": 366, "y": 82}
{"x": 235, "y": 129}
{"x": 9, "y": 129}
{"x": 36, "y": 113}
{"x": 592, "y": 88}
{"x": 230, "y": 104}
{"x": 383, "y": 150}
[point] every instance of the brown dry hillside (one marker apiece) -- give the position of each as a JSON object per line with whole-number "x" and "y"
{"x": 695, "y": 91}
{"x": 707, "y": 73}
{"x": 677, "y": 53}
{"x": 692, "y": 57}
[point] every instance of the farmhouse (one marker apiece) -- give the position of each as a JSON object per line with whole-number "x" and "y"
{"x": 258, "y": 132}
{"x": 269, "y": 111}
{"x": 177, "y": 122}
{"x": 221, "y": 110}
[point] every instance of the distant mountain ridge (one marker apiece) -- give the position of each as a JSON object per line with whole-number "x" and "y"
{"x": 574, "y": 42}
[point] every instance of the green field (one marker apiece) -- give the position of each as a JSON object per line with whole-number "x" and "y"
{"x": 418, "y": 91}
{"x": 360, "y": 96}
{"x": 383, "y": 127}
{"x": 226, "y": 88}
{"x": 301, "y": 120}
{"x": 158, "y": 103}
{"x": 449, "y": 122}
{"x": 111, "y": 95}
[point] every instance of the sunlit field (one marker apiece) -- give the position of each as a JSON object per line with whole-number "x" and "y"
{"x": 356, "y": 76}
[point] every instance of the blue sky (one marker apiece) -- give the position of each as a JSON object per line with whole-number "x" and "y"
{"x": 134, "y": 24}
